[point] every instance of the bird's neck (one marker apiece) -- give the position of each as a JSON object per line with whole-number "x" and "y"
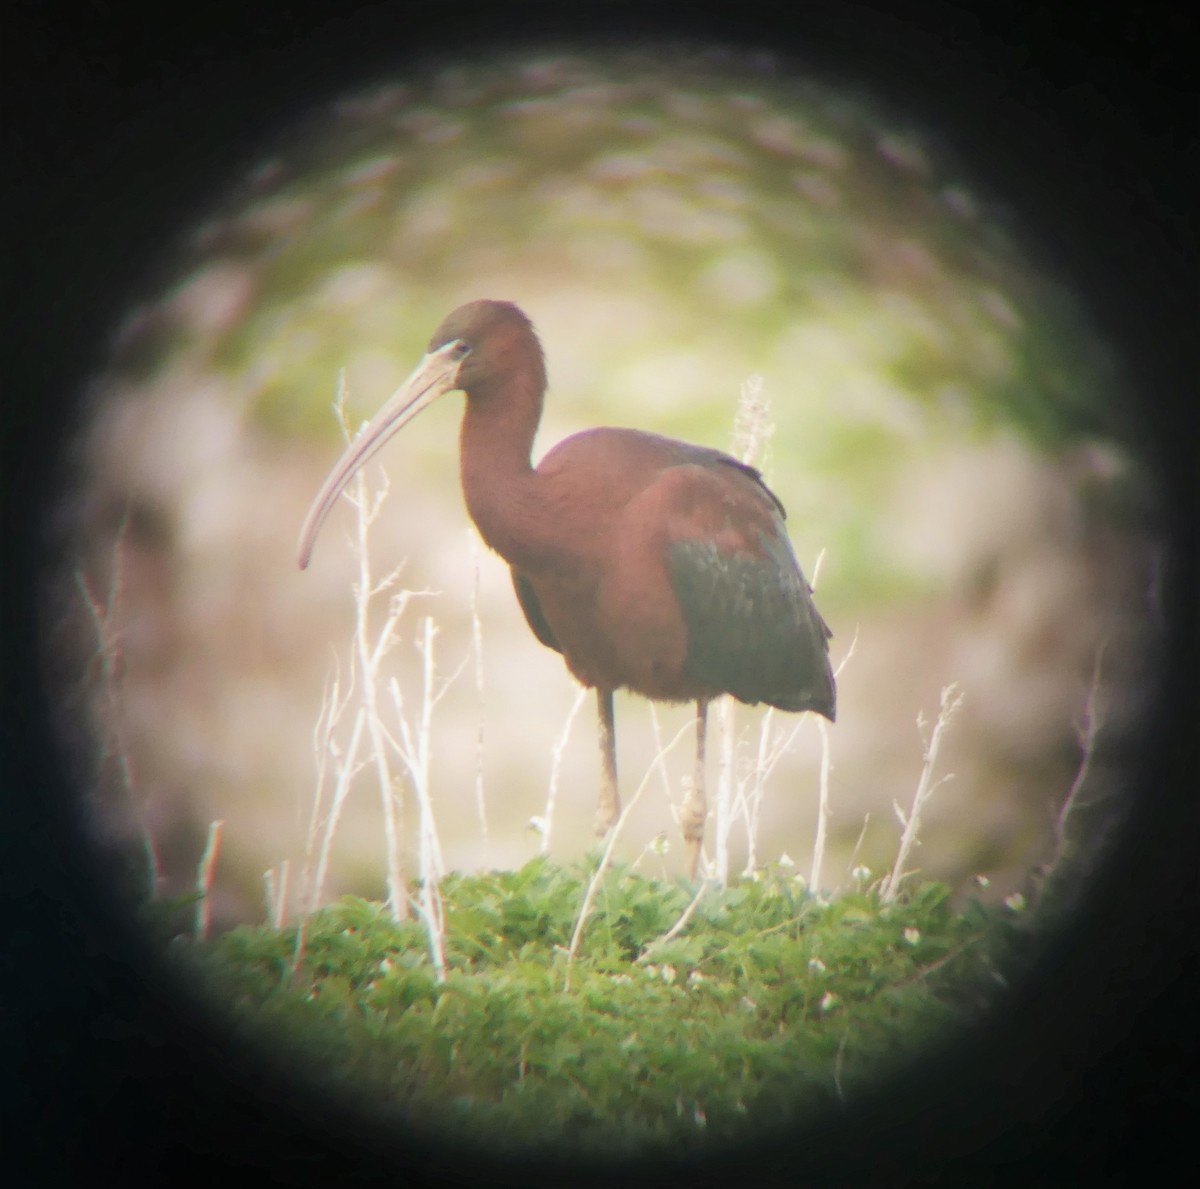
{"x": 501, "y": 488}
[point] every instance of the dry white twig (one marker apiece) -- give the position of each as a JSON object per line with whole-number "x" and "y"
{"x": 679, "y": 926}
{"x": 858, "y": 843}
{"x": 415, "y": 753}
{"x": 275, "y": 891}
{"x": 204, "y": 880}
{"x": 481, "y": 708}
{"x": 754, "y": 788}
{"x": 547, "y": 821}
{"x": 725, "y": 809}
{"x": 602, "y": 866}
{"x": 339, "y": 766}
{"x": 818, "y": 860}
{"x": 752, "y": 433}
{"x": 951, "y": 700}
{"x": 752, "y": 425}
{"x": 656, "y": 728}
{"x": 1089, "y": 728}
{"x": 368, "y": 662}
{"x": 816, "y": 574}
{"x": 347, "y": 765}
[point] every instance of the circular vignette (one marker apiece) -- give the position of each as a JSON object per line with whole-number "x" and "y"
{"x": 86, "y": 986}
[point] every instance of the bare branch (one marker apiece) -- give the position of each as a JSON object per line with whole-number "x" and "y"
{"x": 951, "y": 700}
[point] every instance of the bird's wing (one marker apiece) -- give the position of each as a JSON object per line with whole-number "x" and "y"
{"x": 534, "y": 614}
{"x": 752, "y": 627}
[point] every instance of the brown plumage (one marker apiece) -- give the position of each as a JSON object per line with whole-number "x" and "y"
{"x": 650, "y": 564}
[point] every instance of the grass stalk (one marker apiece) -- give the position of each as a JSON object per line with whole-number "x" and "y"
{"x": 368, "y": 651}
{"x": 606, "y": 858}
{"x": 546, "y": 823}
{"x": 755, "y": 787}
{"x": 204, "y": 880}
{"x": 725, "y": 808}
{"x": 481, "y": 700}
{"x": 415, "y": 751}
{"x": 951, "y": 700}
{"x": 1088, "y": 730}
{"x": 275, "y": 890}
{"x": 679, "y": 926}
{"x": 818, "y": 859}
{"x": 368, "y": 663}
{"x": 348, "y": 766}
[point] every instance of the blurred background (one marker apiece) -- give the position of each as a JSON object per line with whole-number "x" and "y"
{"x": 949, "y": 433}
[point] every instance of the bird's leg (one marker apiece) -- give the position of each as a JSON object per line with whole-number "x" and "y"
{"x": 695, "y": 804}
{"x": 609, "y": 807}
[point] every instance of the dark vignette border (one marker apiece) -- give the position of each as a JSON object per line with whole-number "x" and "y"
{"x": 125, "y": 123}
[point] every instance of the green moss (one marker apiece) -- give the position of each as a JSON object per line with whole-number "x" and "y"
{"x": 769, "y": 1002}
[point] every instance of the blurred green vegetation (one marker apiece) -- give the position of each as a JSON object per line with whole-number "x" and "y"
{"x": 770, "y": 1006}
{"x": 673, "y": 226}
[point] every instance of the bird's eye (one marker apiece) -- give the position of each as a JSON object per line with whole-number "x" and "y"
{"x": 461, "y": 350}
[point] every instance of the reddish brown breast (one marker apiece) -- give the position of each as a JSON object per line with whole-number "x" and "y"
{"x": 662, "y": 543}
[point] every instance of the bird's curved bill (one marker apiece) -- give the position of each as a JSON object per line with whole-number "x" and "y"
{"x": 436, "y": 374}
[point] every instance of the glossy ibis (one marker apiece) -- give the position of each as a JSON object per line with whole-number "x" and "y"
{"x": 650, "y": 564}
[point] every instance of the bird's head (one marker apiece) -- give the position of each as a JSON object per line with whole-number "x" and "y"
{"x": 496, "y": 344}
{"x": 477, "y": 347}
